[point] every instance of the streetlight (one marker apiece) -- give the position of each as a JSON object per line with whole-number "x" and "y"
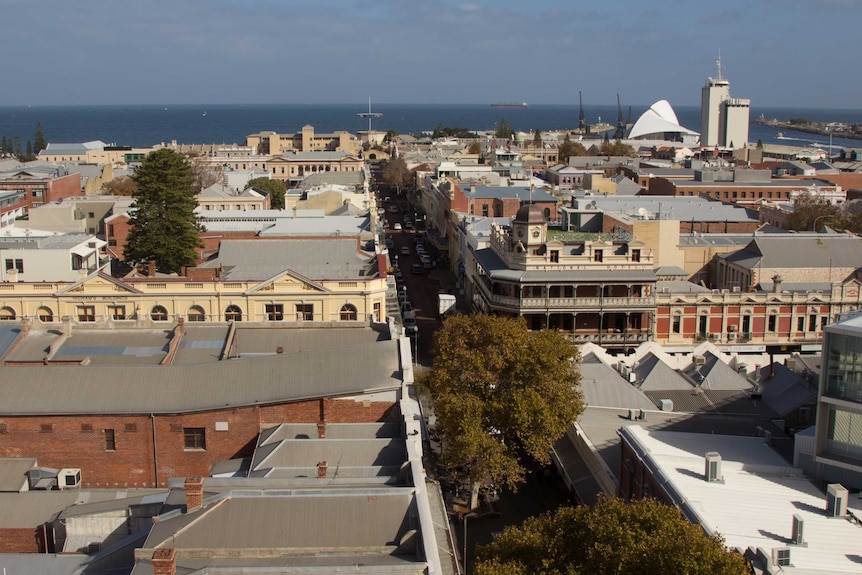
{"x": 814, "y": 225}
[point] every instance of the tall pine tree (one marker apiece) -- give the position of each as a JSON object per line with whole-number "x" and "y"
{"x": 39, "y": 142}
{"x": 164, "y": 226}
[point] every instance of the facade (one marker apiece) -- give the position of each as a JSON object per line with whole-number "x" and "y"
{"x": 96, "y": 152}
{"x": 596, "y": 290}
{"x": 837, "y": 452}
{"x": 64, "y": 258}
{"x": 274, "y": 144}
{"x": 219, "y": 197}
{"x": 78, "y": 214}
{"x": 294, "y": 166}
{"x": 41, "y": 185}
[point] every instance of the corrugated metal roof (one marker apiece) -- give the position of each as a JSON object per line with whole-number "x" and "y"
{"x": 603, "y": 386}
{"x": 801, "y": 251}
{"x": 173, "y": 389}
{"x": 497, "y": 270}
{"x": 655, "y": 375}
{"x": 9, "y": 332}
{"x": 13, "y": 473}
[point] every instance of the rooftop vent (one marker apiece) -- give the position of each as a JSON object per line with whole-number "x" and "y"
{"x": 798, "y": 524}
{"x": 666, "y": 404}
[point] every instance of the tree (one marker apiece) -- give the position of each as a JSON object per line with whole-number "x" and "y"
{"x": 164, "y": 225}
{"x": 503, "y": 129}
{"x": 611, "y": 537}
{"x": 475, "y": 148}
{"x": 568, "y": 149}
{"x": 810, "y": 210}
{"x": 204, "y": 174}
{"x": 502, "y": 395}
{"x": 29, "y": 153}
{"x": 537, "y": 138}
{"x": 275, "y": 188}
{"x": 390, "y": 135}
{"x": 122, "y": 186}
{"x": 39, "y": 142}
{"x": 396, "y": 174}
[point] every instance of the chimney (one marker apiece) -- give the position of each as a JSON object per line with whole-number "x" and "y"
{"x": 777, "y": 279}
{"x": 164, "y": 561}
{"x": 321, "y": 470}
{"x": 194, "y": 493}
{"x": 472, "y": 187}
{"x": 321, "y": 429}
{"x": 181, "y": 325}
{"x": 151, "y": 268}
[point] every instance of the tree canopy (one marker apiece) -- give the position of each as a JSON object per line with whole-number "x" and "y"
{"x": 442, "y": 131}
{"x": 502, "y": 394}
{"x": 122, "y": 186}
{"x": 611, "y": 537}
{"x": 812, "y": 212}
{"x": 503, "y": 129}
{"x": 395, "y": 173}
{"x": 568, "y": 149}
{"x": 164, "y": 226}
{"x": 275, "y": 188}
{"x": 475, "y": 147}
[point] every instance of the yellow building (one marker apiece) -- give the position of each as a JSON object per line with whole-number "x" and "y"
{"x": 274, "y": 144}
{"x": 295, "y": 281}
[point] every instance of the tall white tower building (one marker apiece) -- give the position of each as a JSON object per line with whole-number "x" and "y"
{"x": 723, "y": 120}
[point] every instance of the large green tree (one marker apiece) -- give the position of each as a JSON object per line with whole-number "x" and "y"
{"x": 568, "y": 149}
{"x": 609, "y": 538}
{"x": 811, "y": 213}
{"x": 502, "y": 395}
{"x": 275, "y": 188}
{"x": 164, "y": 225}
{"x": 39, "y": 142}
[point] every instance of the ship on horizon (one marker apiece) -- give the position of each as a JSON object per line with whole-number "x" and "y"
{"x": 510, "y": 105}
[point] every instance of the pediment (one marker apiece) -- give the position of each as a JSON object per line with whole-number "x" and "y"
{"x": 99, "y": 284}
{"x": 288, "y": 281}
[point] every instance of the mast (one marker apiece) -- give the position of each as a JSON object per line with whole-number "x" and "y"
{"x": 582, "y": 121}
{"x": 369, "y": 114}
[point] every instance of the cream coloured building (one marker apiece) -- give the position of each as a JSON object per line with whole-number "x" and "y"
{"x": 273, "y": 144}
{"x": 288, "y": 281}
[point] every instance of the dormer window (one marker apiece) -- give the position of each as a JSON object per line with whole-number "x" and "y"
{"x": 597, "y": 256}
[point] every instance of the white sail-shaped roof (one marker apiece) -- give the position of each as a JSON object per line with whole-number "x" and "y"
{"x": 660, "y": 119}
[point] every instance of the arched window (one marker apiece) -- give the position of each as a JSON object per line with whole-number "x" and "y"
{"x": 233, "y": 313}
{"x": 7, "y": 314}
{"x": 196, "y": 313}
{"x": 348, "y": 312}
{"x": 45, "y": 314}
{"x": 547, "y": 214}
{"x": 159, "y": 313}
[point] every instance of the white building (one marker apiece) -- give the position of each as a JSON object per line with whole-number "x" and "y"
{"x": 51, "y": 259}
{"x": 723, "y": 120}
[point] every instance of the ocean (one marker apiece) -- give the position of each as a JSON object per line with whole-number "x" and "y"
{"x": 200, "y": 124}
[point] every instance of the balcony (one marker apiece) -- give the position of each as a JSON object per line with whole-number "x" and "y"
{"x": 573, "y": 303}
{"x": 611, "y": 338}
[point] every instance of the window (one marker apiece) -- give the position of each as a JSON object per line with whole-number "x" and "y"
{"x": 677, "y": 324}
{"x": 86, "y": 313}
{"x": 746, "y": 325}
{"x": 636, "y": 255}
{"x": 111, "y": 229}
{"x": 812, "y": 323}
{"x": 15, "y": 265}
{"x": 159, "y": 313}
{"x": 45, "y": 314}
{"x": 305, "y": 312}
{"x": 597, "y": 256}
{"x": 377, "y": 311}
{"x": 112, "y": 243}
{"x": 196, "y": 313}
{"x": 773, "y": 323}
{"x": 348, "y": 312}
{"x": 233, "y": 313}
{"x": 804, "y": 414}
{"x": 274, "y": 311}
{"x": 7, "y": 314}
{"x": 117, "y": 311}
{"x": 800, "y": 324}
{"x": 110, "y": 440}
{"x": 194, "y": 438}
{"x": 91, "y": 214}
{"x": 485, "y": 210}
{"x": 555, "y": 256}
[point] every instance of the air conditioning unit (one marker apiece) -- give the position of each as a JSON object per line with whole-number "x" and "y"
{"x": 731, "y": 336}
{"x": 736, "y": 289}
{"x": 781, "y": 556}
{"x": 699, "y": 360}
{"x": 798, "y": 525}
{"x": 742, "y": 368}
{"x": 712, "y": 470}
{"x": 42, "y": 478}
{"x": 715, "y": 335}
{"x": 790, "y": 363}
{"x": 69, "y": 478}
{"x": 836, "y": 500}
{"x": 666, "y": 404}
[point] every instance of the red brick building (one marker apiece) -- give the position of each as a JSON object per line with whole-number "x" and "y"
{"x": 42, "y": 185}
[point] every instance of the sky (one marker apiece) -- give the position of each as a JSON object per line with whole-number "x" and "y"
{"x": 778, "y": 53}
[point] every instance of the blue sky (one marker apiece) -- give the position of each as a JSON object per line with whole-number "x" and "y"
{"x": 791, "y": 53}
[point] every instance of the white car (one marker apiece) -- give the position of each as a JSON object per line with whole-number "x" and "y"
{"x": 397, "y": 226}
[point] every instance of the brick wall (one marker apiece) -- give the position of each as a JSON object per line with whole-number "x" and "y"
{"x": 21, "y": 540}
{"x": 81, "y": 441}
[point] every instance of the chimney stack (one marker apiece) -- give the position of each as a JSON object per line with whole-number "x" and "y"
{"x": 321, "y": 470}
{"x": 321, "y": 429}
{"x": 164, "y": 561}
{"x": 194, "y": 493}
{"x": 151, "y": 268}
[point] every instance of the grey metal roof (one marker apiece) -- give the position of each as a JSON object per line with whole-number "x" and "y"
{"x": 717, "y": 375}
{"x": 304, "y": 453}
{"x": 497, "y": 270}
{"x": 329, "y": 258}
{"x": 655, "y": 375}
{"x": 116, "y": 346}
{"x": 801, "y": 251}
{"x": 682, "y": 208}
{"x": 784, "y": 391}
{"x": 251, "y": 340}
{"x": 137, "y": 497}
{"x": 65, "y": 564}
{"x": 13, "y": 472}
{"x": 603, "y": 386}
{"x": 176, "y": 389}
{"x": 32, "y": 508}
{"x": 9, "y": 332}
{"x": 369, "y": 519}
{"x": 503, "y": 192}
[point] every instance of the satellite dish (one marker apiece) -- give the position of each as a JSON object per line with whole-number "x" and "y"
{"x": 642, "y": 211}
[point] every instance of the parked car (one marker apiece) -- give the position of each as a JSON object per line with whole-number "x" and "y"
{"x": 393, "y": 209}
{"x": 405, "y": 250}
{"x": 416, "y": 269}
{"x": 406, "y": 306}
{"x": 396, "y": 226}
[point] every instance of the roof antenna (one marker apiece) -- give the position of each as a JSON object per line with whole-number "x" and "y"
{"x": 718, "y": 63}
